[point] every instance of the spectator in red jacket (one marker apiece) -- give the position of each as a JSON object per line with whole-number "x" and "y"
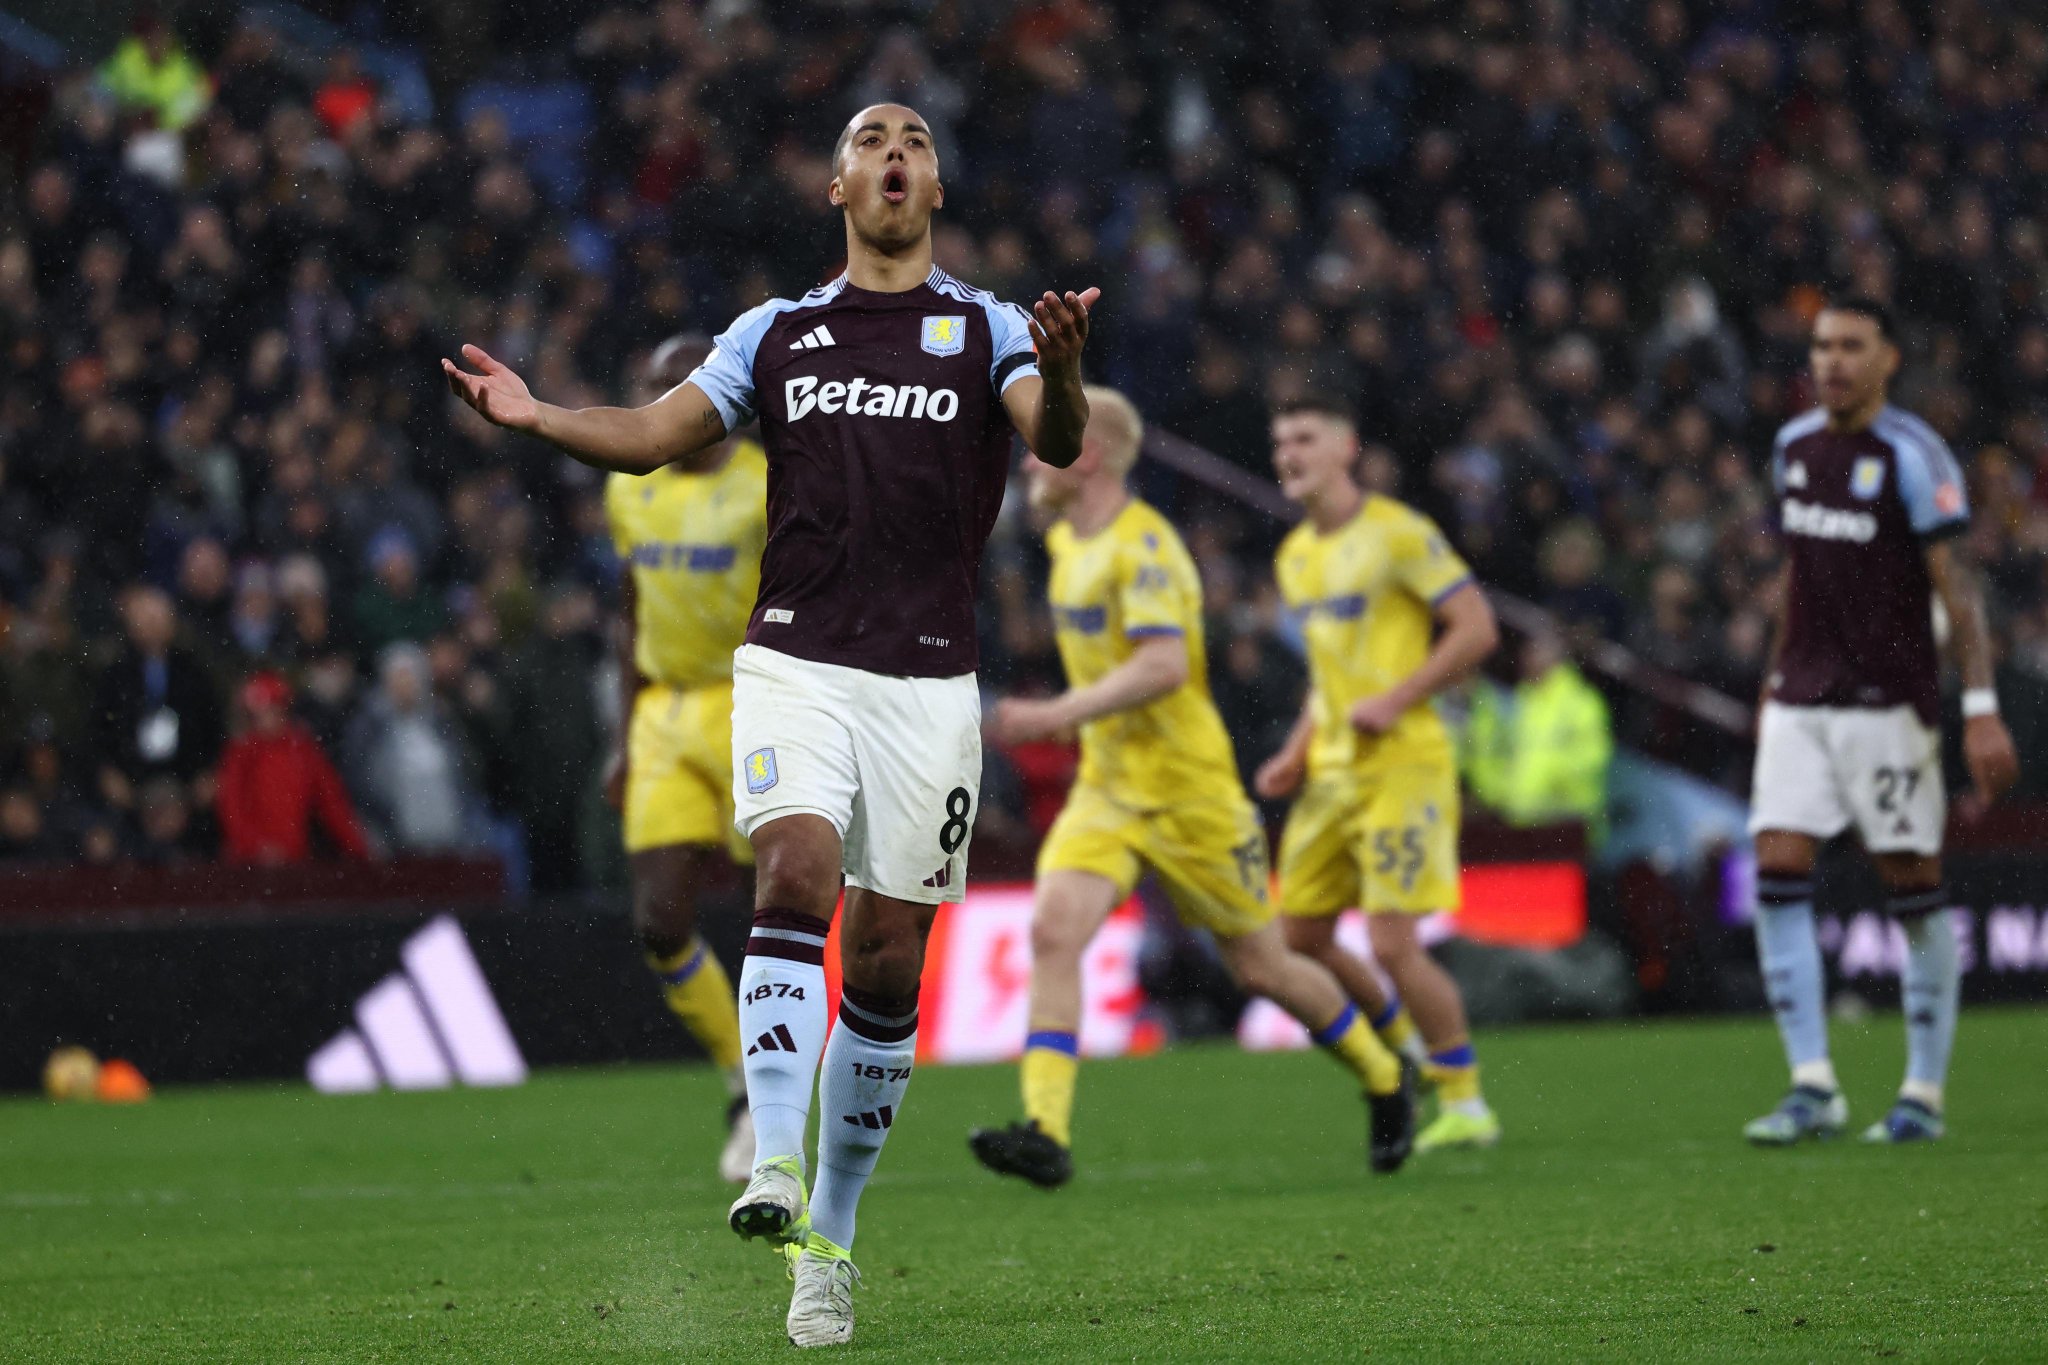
{"x": 275, "y": 780}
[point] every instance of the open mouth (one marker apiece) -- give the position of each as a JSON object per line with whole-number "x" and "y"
{"x": 895, "y": 186}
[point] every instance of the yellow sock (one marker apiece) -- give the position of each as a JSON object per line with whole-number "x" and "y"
{"x": 1398, "y": 1032}
{"x": 1353, "y": 1043}
{"x": 701, "y": 995}
{"x": 1051, "y": 1066}
{"x": 1455, "y": 1072}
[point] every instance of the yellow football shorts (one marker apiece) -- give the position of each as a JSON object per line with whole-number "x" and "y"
{"x": 679, "y": 770}
{"x": 1209, "y": 854}
{"x": 1384, "y": 841}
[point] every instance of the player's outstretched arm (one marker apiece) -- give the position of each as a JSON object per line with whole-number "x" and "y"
{"x": 625, "y": 440}
{"x": 1050, "y": 412}
{"x": 1157, "y": 666}
{"x": 1987, "y": 745}
{"x": 1470, "y": 633}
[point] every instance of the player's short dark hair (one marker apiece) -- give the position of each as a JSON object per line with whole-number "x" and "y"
{"x": 1316, "y": 404}
{"x": 1864, "y": 306}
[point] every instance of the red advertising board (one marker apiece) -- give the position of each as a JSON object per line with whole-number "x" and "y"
{"x": 974, "y": 999}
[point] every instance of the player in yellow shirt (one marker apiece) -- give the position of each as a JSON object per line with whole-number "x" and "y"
{"x": 1158, "y": 789}
{"x": 691, "y": 535}
{"x": 1377, "y": 824}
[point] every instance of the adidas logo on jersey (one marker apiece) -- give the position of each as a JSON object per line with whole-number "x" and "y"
{"x": 803, "y": 395}
{"x": 1828, "y": 523}
{"x": 812, "y": 340}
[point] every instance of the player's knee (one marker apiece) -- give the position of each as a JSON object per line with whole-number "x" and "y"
{"x": 660, "y": 942}
{"x": 1913, "y": 886}
{"x": 1310, "y": 936}
{"x": 885, "y": 969}
{"x": 882, "y": 955}
{"x": 1394, "y": 943}
{"x": 1257, "y": 963}
{"x": 1905, "y": 872}
{"x": 1056, "y": 935}
{"x": 800, "y": 875}
{"x": 1784, "y": 856}
{"x": 1256, "y": 976}
{"x": 665, "y": 922}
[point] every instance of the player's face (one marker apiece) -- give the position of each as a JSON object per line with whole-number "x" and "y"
{"x": 888, "y": 177}
{"x": 1312, "y": 453}
{"x": 1852, "y": 362}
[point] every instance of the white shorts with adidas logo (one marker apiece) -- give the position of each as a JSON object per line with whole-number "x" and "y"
{"x": 893, "y": 762}
{"x": 1821, "y": 769}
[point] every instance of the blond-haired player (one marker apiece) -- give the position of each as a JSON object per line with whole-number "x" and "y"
{"x": 690, "y": 534}
{"x": 1158, "y": 789}
{"x": 1391, "y": 616}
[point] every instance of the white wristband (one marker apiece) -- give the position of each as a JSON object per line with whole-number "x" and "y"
{"x": 1979, "y": 701}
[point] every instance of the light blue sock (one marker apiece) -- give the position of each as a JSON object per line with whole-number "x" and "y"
{"x": 860, "y": 1093}
{"x": 782, "y": 1025}
{"x": 1794, "y": 980}
{"x": 1932, "y": 981}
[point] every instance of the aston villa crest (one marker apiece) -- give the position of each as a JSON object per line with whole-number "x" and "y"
{"x": 945, "y": 335}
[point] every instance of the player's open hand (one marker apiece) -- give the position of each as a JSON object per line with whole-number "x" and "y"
{"x": 1059, "y": 328}
{"x": 499, "y": 394}
{"x": 1988, "y": 752}
{"x": 1279, "y": 775}
{"x": 1377, "y": 715}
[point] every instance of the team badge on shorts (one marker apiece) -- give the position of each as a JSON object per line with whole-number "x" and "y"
{"x": 1866, "y": 480}
{"x": 761, "y": 774}
{"x": 945, "y": 335}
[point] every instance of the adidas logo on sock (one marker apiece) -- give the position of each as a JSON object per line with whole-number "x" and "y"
{"x": 776, "y": 1039}
{"x": 812, "y": 340}
{"x": 872, "y": 1118}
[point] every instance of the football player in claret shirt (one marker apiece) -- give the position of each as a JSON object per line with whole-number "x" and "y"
{"x": 1391, "y": 617}
{"x": 1158, "y": 791}
{"x": 887, "y": 401}
{"x": 690, "y": 535}
{"x": 1870, "y": 502}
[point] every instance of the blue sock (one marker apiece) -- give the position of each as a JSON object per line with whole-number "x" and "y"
{"x": 1794, "y": 980}
{"x": 1932, "y": 981}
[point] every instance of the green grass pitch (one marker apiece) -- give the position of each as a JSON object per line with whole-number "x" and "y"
{"x": 1222, "y": 1212}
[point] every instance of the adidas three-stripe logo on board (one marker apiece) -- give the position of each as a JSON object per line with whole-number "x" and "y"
{"x": 424, "y": 1027}
{"x": 812, "y": 340}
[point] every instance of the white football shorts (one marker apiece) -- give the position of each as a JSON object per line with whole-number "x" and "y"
{"x": 894, "y": 763}
{"x": 1820, "y": 769}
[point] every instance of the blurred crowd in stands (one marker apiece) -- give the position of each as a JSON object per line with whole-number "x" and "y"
{"x": 1561, "y": 258}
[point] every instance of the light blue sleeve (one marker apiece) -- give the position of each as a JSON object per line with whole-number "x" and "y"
{"x": 1011, "y": 333}
{"x": 1778, "y": 464}
{"x": 727, "y": 374}
{"x": 1930, "y": 480}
